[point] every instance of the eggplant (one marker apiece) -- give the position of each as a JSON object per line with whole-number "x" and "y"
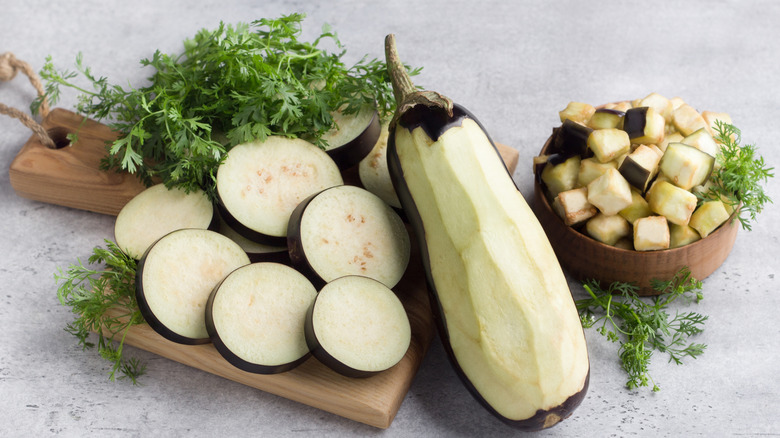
{"x": 608, "y": 229}
{"x": 644, "y": 125}
{"x": 373, "y": 174}
{"x": 500, "y": 300}
{"x": 255, "y": 317}
{"x": 651, "y": 233}
{"x": 668, "y": 200}
{"x": 157, "y": 211}
{"x": 571, "y": 139}
{"x": 347, "y": 230}
{"x": 357, "y": 327}
{"x": 686, "y": 166}
{"x": 175, "y": 277}
{"x": 640, "y": 167}
{"x": 605, "y": 118}
{"x": 353, "y": 136}
{"x": 610, "y": 192}
{"x": 259, "y": 184}
{"x": 257, "y": 252}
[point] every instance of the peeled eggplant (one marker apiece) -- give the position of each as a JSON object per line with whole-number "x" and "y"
{"x": 502, "y": 305}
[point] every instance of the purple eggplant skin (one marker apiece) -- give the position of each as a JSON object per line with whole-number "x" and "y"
{"x": 349, "y": 154}
{"x": 295, "y": 249}
{"x": 572, "y": 139}
{"x": 322, "y": 355}
{"x": 634, "y": 121}
{"x": 150, "y": 317}
{"x": 245, "y": 231}
{"x": 231, "y": 357}
{"x": 635, "y": 174}
{"x": 435, "y": 121}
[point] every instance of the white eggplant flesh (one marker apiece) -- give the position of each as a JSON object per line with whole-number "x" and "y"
{"x": 347, "y": 230}
{"x": 358, "y": 327}
{"x": 508, "y": 318}
{"x": 255, "y": 317}
{"x": 157, "y": 211}
{"x": 373, "y": 172}
{"x": 175, "y": 277}
{"x": 259, "y": 184}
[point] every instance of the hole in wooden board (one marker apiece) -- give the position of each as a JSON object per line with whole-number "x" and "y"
{"x": 59, "y": 136}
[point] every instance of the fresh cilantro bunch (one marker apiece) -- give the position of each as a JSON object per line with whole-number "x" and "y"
{"x": 102, "y": 296}
{"x": 229, "y": 85}
{"x": 644, "y": 326}
{"x": 738, "y": 180}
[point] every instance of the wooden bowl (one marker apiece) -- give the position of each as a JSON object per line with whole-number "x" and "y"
{"x": 586, "y": 258}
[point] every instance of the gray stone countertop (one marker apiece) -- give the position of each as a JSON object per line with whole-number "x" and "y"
{"x": 514, "y": 65}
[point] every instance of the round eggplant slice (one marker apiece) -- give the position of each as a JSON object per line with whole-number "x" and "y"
{"x": 175, "y": 277}
{"x": 260, "y": 183}
{"x": 256, "y": 316}
{"x": 157, "y": 211}
{"x": 347, "y": 230}
{"x": 257, "y": 252}
{"x": 353, "y": 136}
{"x": 357, "y": 327}
{"x": 373, "y": 172}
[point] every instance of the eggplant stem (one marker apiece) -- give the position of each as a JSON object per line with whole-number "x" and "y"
{"x": 404, "y": 90}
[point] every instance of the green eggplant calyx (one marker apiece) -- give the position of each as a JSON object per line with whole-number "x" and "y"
{"x": 407, "y": 96}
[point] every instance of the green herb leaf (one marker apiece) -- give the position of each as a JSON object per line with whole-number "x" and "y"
{"x": 103, "y": 301}
{"x": 738, "y": 180}
{"x": 644, "y": 326}
{"x": 229, "y": 85}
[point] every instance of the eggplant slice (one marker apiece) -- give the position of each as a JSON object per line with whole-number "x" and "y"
{"x": 157, "y": 211}
{"x": 357, "y": 327}
{"x": 353, "y": 136}
{"x": 256, "y": 315}
{"x": 260, "y": 183}
{"x": 373, "y": 172}
{"x": 347, "y": 230}
{"x": 175, "y": 277}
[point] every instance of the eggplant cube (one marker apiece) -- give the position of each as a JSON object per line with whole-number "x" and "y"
{"x": 605, "y": 118}
{"x": 687, "y": 120}
{"x": 660, "y": 104}
{"x": 674, "y": 203}
{"x": 638, "y": 208}
{"x": 608, "y": 144}
{"x": 686, "y": 166}
{"x": 681, "y": 235}
{"x": 703, "y": 141}
{"x": 651, "y": 233}
{"x": 608, "y": 229}
{"x": 591, "y": 168}
{"x": 610, "y": 192}
{"x": 708, "y": 217}
{"x": 644, "y": 125}
{"x": 561, "y": 177}
{"x": 674, "y": 137}
{"x": 571, "y": 139}
{"x": 640, "y": 166}
{"x": 711, "y": 117}
{"x": 577, "y": 112}
{"x": 575, "y": 207}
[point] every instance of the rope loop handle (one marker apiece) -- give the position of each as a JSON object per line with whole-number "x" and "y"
{"x": 9, "y": 66}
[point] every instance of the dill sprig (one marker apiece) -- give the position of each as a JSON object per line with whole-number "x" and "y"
{"x": 737, "y": 181}
{"x": 644, "y": 326}
{"x": 103, "y": 300}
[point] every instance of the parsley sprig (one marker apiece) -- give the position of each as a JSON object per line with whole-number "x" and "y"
{"x": 738, "y": 180}
{"x": 644, "y": 326}
{"x": 103, "y": 300}
{"x": 228, "y": 86}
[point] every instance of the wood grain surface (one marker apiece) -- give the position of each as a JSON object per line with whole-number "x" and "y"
{"x": 71, "y": 176}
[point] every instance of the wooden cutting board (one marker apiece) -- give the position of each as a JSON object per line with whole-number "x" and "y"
{"x": 71, "y": 176}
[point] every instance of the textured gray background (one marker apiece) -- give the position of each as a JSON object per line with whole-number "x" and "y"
{"x": 515, "y": 65}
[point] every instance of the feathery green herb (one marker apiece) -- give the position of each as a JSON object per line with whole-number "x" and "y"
{"x": 737, "y": 182}
{"x": 103, "y": 300}
{"x": 641, "y": 326}
{"x": 228, "y": 86}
